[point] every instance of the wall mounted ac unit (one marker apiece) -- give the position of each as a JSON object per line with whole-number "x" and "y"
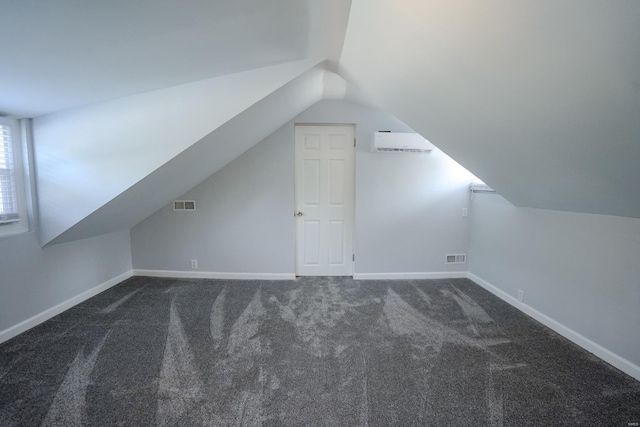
{"x": 399, "y": 142}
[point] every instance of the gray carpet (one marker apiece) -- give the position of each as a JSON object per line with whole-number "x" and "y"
{"x": 317, "y": 351}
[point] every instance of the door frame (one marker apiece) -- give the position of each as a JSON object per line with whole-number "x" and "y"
{"x": 353, "y": 228}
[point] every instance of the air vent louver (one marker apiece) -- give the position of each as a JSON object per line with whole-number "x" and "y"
{"x": 456, "y": 258}
{"x": 184, "y": 205}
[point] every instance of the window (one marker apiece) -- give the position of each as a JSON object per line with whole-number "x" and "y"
{"x": 13, "y": 211}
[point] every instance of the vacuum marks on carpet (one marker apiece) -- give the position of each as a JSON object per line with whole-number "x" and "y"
{"x": 317, "y": 351}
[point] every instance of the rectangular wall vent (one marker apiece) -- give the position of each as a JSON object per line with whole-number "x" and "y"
{"x": 184, "y": 205}
{"x": 456, "y": 258}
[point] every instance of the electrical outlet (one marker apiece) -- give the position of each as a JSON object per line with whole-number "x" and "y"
{"x": 194, "y": 263}
{"x": 520, "y": 295}
{"x": 465, "y": 212}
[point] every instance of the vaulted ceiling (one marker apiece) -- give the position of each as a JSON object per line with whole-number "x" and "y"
{"x": 64, "y": 53}
{"x": 540, "y": 99}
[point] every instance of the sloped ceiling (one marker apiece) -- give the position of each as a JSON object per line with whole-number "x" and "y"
{"x": 65, "y": 53}
{"x": 540, "y": 99}
{"x": 90, "y": 155}
{"x": 123, "y": 94}
{"x": 200, "y": 160}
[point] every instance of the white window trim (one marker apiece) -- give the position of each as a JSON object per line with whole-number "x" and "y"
{"x": 22, "y": 225}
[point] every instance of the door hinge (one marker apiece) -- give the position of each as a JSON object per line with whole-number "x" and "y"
{"x": 353, "y": 257}
{"x": 354, "y": 142}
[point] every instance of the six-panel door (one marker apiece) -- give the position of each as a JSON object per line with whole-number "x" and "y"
{"x": 324, "y": 200}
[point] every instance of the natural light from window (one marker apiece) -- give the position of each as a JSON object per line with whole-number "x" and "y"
{"x": 12, "y": 200}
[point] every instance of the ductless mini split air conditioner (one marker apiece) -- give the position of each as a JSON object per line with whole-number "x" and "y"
{"x": 400, "y": 142}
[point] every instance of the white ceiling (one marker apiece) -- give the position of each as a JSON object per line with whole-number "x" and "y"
{"x": 540, "y": 99}
{"x": 64, "y": 53}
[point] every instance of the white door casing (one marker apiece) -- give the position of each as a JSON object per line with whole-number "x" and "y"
{"x": 324, "y": 200}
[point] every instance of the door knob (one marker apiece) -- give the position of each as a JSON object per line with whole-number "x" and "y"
{"x": 299, "y": 213}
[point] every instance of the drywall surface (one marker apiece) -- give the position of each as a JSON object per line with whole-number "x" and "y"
{"x": 243, "y": 220}
{"x": 517, "y": 92}
{"x": 34, "y": 279}
{"x": 408, "y": 208}
{"x": 88, "y": 156}
{"x": 203, "y": 158}
{"x": 581, "y": 270}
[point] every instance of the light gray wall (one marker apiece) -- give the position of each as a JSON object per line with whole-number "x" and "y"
{"x": 92, "y": 157}
{"x": 408, "y": 208}
{"x": 187, "y": 169}
{"x": 582, "y": 270}
{"x": 243, "y": 220}
{"x": 35, "y": 279}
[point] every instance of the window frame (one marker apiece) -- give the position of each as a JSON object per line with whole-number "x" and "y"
{"x": 22, "y": 225}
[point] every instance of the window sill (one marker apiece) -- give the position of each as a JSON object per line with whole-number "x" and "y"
{"x": 13, "y": 229}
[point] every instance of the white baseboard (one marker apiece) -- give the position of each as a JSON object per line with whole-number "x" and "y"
{"x": 176, "y": 274}
{"x": 411, "y": 276}
{"x": 608, "y": 356}
{"x": 25, "y": 325}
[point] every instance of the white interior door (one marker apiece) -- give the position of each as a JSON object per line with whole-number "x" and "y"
{"x": 325, "y": 181}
